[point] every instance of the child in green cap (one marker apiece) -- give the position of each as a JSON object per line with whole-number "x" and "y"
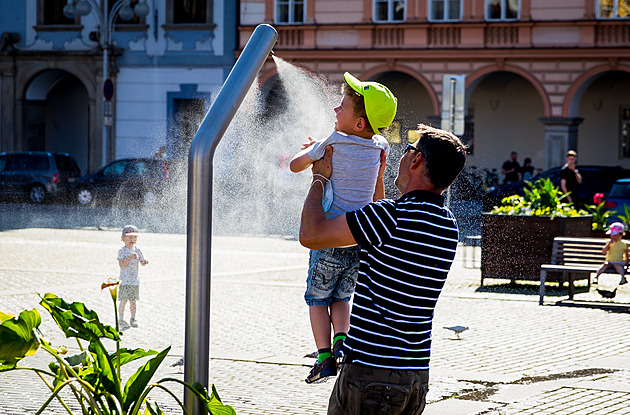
{"x": 357, "y": 179}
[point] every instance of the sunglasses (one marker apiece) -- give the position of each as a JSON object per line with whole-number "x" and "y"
{"x": 412, "y": 148}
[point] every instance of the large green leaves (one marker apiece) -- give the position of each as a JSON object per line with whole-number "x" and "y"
{"x": 137, "y": 383}
{"x": 17, "y": 337}
{"x": 76, "y": 320}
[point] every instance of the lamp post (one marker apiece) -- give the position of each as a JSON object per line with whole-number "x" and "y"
{"x": 106, "y": 20}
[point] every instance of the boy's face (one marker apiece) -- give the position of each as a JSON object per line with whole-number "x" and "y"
{"x": 130, "y": 239}
{"x": 617, "y": 237}
{"x": 346, "y": 121}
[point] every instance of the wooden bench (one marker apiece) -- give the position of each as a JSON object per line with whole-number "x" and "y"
{"x": 576, "y": 258}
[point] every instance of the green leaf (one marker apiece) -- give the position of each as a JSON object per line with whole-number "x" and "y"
{"x": 18, "y": 338}
{"x": 213, "y": 403}
{"x": 149, "y": 410}
{"x": 129, "y": 355}
{"x": 76, "y": 320}
{"x": 139, "y": 380}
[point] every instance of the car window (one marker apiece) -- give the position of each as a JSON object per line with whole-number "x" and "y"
{"x": 3, "y": 163}
{"x": 620, "y": 191}
{"x": 65, "y": 163}
{"x": 17, "y": 163}
{"x": 133, "y": 168}
{"x": 38, "y": 163}
{"x": 115, "y": 169}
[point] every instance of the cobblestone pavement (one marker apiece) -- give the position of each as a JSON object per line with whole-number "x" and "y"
{"x": 516, "y": 357}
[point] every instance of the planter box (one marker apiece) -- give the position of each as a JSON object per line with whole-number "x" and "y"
{"x": 513, "y": 247}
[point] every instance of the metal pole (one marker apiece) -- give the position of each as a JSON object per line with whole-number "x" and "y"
{"x": 199, "y": 225}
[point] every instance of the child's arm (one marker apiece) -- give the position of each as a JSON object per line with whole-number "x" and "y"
{"x": 379, "y": 190}
{"x": 627, "y": 256}
{"x": 125, "y": 262}
{"x": 606, "y": 247}
{"x": 301, "y": 161}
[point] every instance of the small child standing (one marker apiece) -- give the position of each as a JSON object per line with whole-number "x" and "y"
{"x": 129, "y": 290}
{"x": 616, "y": 252}
{"x": 357, "y": 179}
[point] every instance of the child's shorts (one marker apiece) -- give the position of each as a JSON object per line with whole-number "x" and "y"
{"x": 128, "y": 292}
{"x": 332, "y": 275}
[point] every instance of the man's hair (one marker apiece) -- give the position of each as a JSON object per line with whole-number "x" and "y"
{"x": 444, "y": 153}
{"x": 571, "y": 153}
{"x": 358, "y": 103}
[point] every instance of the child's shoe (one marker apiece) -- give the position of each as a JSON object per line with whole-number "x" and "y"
{"x": 623, "y": 281}
{"x": 133, "y": 322}
{"x": 122, "y": 324}
{"x": 322, "y": 370}
{"x": 338, "y": 350}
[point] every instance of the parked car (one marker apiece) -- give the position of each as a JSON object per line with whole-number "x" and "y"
{"x": 595, "y": 179}
{"x": 37, "y": 176}
{"x": 618, "y": 198}
{"x": 138, "y": 182}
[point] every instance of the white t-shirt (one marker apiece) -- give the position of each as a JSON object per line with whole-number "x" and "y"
{"x": 355, "y": 164}
{"x": 129, "y": 274}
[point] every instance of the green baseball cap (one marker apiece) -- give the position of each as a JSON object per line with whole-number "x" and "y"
{"x": 380, "y": 103}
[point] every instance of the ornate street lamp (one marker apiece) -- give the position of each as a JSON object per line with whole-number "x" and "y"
{"x": 106, "y": 20}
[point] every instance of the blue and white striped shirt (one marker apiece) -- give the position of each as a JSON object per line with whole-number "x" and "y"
{"x": 407, "y": 248}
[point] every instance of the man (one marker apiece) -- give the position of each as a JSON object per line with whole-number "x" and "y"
{"x": 407, "y": 248}
{"x": 511, "y": 169}
{"x": 570, "y": 179}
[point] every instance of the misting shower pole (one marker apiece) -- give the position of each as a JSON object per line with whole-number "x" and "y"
{"x": 199, "y": 225}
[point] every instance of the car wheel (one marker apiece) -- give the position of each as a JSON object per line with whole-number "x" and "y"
{"x": 85, "y": 197}
{"x": 37, "y": 194}
{"x": 149, "y": 199}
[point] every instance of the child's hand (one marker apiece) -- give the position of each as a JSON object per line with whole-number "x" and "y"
{"x": 144, "y": 262}
{"x": 132, "y": 256}
{"x": 311, "y": 141}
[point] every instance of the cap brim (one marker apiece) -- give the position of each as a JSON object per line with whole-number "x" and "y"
{"x": 353, "y": 82}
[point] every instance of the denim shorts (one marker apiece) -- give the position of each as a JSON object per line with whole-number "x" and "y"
{"x": 367, "y": 390}
{"x": 332, "y": 275}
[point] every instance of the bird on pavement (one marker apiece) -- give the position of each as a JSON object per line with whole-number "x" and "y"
{"x": 606, "y": 293}
{"x": 179, "y": 364}
{"x": 457, "y": 330}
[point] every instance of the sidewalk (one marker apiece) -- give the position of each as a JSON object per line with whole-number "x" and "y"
{"x": 516, "y": 357}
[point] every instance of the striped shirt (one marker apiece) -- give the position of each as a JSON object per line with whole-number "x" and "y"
{"x": 408, "y": 246}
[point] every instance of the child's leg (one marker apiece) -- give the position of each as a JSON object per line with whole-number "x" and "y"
{"x": 132, "y": 308}
{"x": 602, "y": 269}
{"x": 121, "y": 309}
{"x": 340, "y": 316}
{"x": 621, "y": 271}
{"x": 320, "y": 325}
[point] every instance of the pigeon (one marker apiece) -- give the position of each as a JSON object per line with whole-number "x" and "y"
{"x": 457, "y": 329}
{"x": 179, "y": 364}
{"x": 606, "y": 293}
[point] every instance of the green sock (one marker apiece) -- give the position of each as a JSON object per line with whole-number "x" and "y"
{"x": 339, "y": 336}
{"x": 323, "y": 354}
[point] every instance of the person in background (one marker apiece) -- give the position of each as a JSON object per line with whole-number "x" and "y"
{"x": 129, "y": 256}
{"x": 570, "y": 179}
{"x": 528, "y": 171}
{"x": 511, "y": 169}
{"x": 616, "y": 252}
{"x": 407, "y": 248}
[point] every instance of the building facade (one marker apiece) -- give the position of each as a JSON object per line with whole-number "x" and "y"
{"x": 163, "y": 67}
{"x": 541, "y": 76}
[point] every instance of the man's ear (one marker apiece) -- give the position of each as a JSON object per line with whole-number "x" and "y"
{"x": 416, "y": 162}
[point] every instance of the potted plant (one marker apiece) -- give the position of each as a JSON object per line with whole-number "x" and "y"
{"x": 517, "y": 237}
{"x": 601, "y": 216}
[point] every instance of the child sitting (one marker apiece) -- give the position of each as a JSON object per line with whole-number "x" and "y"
{"x": 616, "y": 252}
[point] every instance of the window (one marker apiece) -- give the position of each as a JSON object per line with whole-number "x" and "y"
{"x": 504, "y": 10}
{"x": 613, "y": 9}
{"x": 445, "y": 10}
{"x": 290, "y": 11}
{"x": 51, "y": 13}
{"x": 190, "y": 11}
{"x": 624, "y": 132}
{"x": 386, "y": 11}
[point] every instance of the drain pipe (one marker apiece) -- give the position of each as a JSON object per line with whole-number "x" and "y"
{"x": 199, "y": 223}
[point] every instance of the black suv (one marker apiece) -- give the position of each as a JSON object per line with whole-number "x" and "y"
{"x": 595, "y": 179}
{"x": 37, "y": 175}
{"x": 137, "y": 182}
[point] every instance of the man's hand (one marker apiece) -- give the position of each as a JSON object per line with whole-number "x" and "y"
{"x": 323, "y": 166}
